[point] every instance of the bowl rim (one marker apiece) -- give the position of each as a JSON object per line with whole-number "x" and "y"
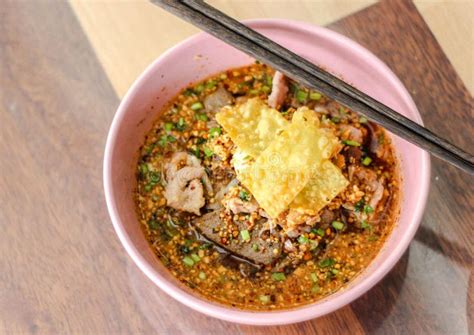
{"x": 278, "y": 317}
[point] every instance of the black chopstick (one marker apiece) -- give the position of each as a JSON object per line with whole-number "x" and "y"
{"x": 299, "y": 69}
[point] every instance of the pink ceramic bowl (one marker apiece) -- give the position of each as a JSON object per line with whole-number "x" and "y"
{"x": 201, "y": 56}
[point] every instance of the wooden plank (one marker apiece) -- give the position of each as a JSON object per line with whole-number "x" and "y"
{"x": 428, "y": 294}
{"x": 129, "y": 35}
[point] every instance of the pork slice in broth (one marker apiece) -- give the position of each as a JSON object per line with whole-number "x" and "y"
{"x": 256, "y": 249}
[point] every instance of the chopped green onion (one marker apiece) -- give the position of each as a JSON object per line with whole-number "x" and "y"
{"x": 169, "y": 126}
{"x": 180, "y": 125}
{"x": 265, "y": 89}
{"x": 368, "y": 209}
{"x": 208, "y": 152}
{"x": 363, "y": 119}
{"x": 315, "y": 95}
{"x": 244, "y": 196}
{"x": 166, "y": 139}
{"x": 152, "y": 224}
{"x": 188, "y": 261}
{"x": 334, "y": 271}
{"x": 211, "y": 84}
{"x": 196, "y": 152}
{"x": 255, "y": 247}
{"x": 202, "y": 275}
{"x": 264, "y": 298}
{"x": 188, "y": 92}
{"x": 148, "y": 187}
{"x": 197, "y": 106}
{"x": 155, "y": 177}
{"x": 201, "y": 117}
{"x": 195, "y": 258}
{"x": 216, "y": 131}
{"x": 315, "y": 288}
{"x": 326, "y": 262}
{"x": 313, "y": 244}
{"x": 268, "y": 80}
{"x": 205, "y": 246}
{"x": 199, "y": 88}
{"x": 359, "y": 205}
{"x": 365, "y": 225}
{"x": 200, "y": 140}
{"x": 278, "y": 276}
{"x": 314, "y": 278}
{"x": 337, "y": 225}
{"x": 301, "y": 96}
{"x": 351, "y": 143}
{"x": 254, "y": 92}
{"x": 318, "y": 231}
{"x": 303, "y": 239}
{"x": 335, "y": 119}
{"x": 366, "y": 161}
{"x": 245, "y": 235}
{"x": 373, "y": 238}
{"x": 143, "y": 169}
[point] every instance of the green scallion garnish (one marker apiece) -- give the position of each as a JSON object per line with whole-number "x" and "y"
{"x": 211, "y": 84}
{"x": 366, "y": 161}
{"x": 208, "y": 152}
{"x": 216, "y": 131}
{"x": 301, "y": 96}
{"x": 302, "y": 239}
{"x": 278, "y": 276}
{"x": 318, "y": 231}
{"x": 264, "y": 299}
{"x": 169, "y": 126}
{"x": 197, "y": 106}
{"x": 202, "y": 275}
{"x": 315, "y": 96}
{"x": 195, "y": 258}
{"x": 351, "y": 143}
{"x": 245, "y": 235}
{"x": 244, "y": 196}
{"x": 188, "y": 261}
{"x": 327, "y": 262}
{"x": 337, "y": 225}
{"x": 368, "y": 209}
{"x": 199, "y": 88}
{"x": 180, "y": 125}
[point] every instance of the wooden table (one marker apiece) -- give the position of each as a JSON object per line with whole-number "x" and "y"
{"x": 63, "y": 270}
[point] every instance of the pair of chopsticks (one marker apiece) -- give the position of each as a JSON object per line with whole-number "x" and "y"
{"x": 258, "y": 46}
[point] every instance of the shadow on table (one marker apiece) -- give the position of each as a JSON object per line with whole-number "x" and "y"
{"x": 450, "y": 249}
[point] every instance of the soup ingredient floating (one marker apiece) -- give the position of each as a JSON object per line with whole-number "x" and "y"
{"x": 291, "y": 167}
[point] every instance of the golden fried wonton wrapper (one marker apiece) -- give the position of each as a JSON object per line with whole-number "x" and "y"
{"x": 282, "y": 170}
{"x": 252, "y": 126}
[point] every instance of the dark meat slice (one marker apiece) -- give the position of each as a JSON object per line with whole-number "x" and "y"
{"x": 256, "y": 249}
{"x": 218, "y": 99}
{"x": 376, "y": 139}
{"x": 327, "y": 217}
{"x": 352, "y": 155}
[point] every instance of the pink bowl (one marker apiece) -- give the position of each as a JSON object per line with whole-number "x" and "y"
{"x": 197, "y": 58}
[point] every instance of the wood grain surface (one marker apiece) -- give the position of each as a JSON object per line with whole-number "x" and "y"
{"x": 63, "y": 270}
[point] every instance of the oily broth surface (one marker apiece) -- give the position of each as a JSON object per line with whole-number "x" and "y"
{"x": 210, "y": 270}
